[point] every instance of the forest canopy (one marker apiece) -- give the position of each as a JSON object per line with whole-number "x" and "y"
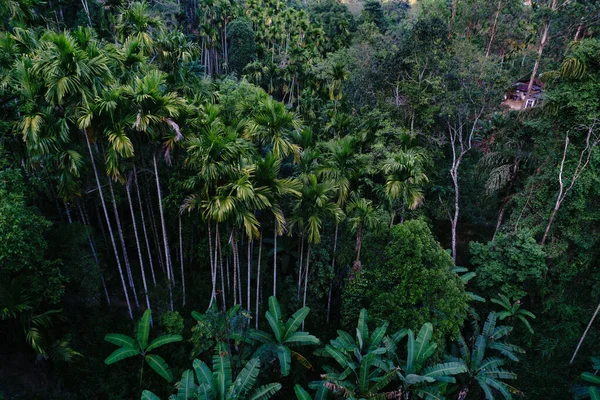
{"x": 319, "y": 199}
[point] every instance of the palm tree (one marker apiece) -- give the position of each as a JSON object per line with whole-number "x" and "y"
{"x": 219, "y": 383}
{"x": 130, "y": 347}
{"x": 310, "y": 210}
{"x": 274, "y": 188}
{"x": 286, "y": 336}
{"x": 405, "y": 177}
{"x": 362, "y": 215}
{"x": 485, "y": 371}
{"x": 135, "y": 21}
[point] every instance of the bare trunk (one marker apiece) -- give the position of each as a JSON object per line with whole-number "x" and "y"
{"x": 275, "y": 261}
{"x": 249, "y": 272}
{"x": 499, "y": 221}
{"x": 235, "y": 287}
{"x": 181, "y": 261}
{"x": 258, "y": 278}
{"x": 494, "y": 25}
{"x": 137, "y": 242}
{"x": 454, "y": 220}
{"x": 139, "y": 197}
{"x": 306, "y": 279}
{"x": 585, "y": 333}
{"x": 335, "y": 239}
{"x": 218, "y": 244}
{"x": 542, "y": 46}
{"x": 112, "y": 238}
{"x": 300, "y": 266}
{"x": 164, "y": 233}
{"x": 123, "y": 247}
{"x": 358, "y": 242}
{"x": 155, "y": 232}
{"x": 212, "y": 266}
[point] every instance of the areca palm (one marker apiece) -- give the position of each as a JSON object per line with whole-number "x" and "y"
{"x": 272, "y": 126}
{"x": 136, "y": 21}
{"x": 284, "y": 337}
{"x": 405, "y": 177}
{"x": 362, "y": 215}
{"x": 310, "y": 209}
{"x": 219, "y": 383}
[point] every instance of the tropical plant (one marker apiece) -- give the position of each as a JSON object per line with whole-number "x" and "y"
{"x": 139, "y": 346}
{"x": 277, "y": 346}
{"x": 219, "y": 382}
{"x": 418, "y": 379}
{"x": 362, "y": 216}
{"x": 513, "y": 310}
{"x": 362, "y": 370}
{"x": 486, "y": 370}
{"x": 321, "y": 392}
{"x": 592, "y": 388}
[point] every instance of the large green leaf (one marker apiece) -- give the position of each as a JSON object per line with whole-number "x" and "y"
{"x": 292, "y": 324}
{"x": 204, "y": 392}
{"x": 204, "y": 374}
{"x": 162, "y": 340}
{"x": 274, "y": 308}
{"x": 285, "y": 358}
{"x": 378, "y": 335}
{"x": 159, "y": 365}
{"x": 594, "y": 393}
{"x": 121, "y": 340}
{"x": 446, "y": 369}
{"x": 121, "y": 354}
{"x": 276, "y": 326}
{"x": 589, "y": 377}
{"x": 187, "y": 387}
{"x": 413, "y": 379}
{"x": 302, "y": 338}
{"x": 362, "y": 325}
{"x": 222, "y": 370}
{"x": 424, "y": 349}
{"x": 365, "y": 367}
{"x": 246, "y": 379}
{"x": 337, "y": 355}
{"x": 148, "y": 395}
{"x": 265, "y": 392}
{"x": 144, "y": 329}
{"x": 261, "y": 336}
{"x": 301, "y": 394}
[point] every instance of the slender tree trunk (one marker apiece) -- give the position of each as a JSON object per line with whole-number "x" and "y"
{"x": 137, "y": 242}
{"x": 542, "y": 46}
{"x": 358, "y": 242}
{"x": 68, "y": 212}
{"x": 494, "y": 25}
{"x": 218, "y": 243}
{"x": 306, "y": 278}
{"x": 137, "y": 190}
{"x": 585, "y": 333}
{"x": 235, "y": 287}
{"x": 300, "y": 266}
{"x": 181, "y": 261}
{"x": 212, "y": 266}
{"x": 249, "y": 273}
{"x": 164, "y": 232}
{"x": 239, "y": 273}
{"x": 275, "y": 260}
{"x": 112, "y": 238}
{"x": 335, "y": 239}
{"x": 122, "y": 239}
{"x": 499, "y": 221}
{"x": 157, "y": 244}
{"x": 258, "y": 278}
{"x": 94, "y": 252}
{"x": 454, "y": 219}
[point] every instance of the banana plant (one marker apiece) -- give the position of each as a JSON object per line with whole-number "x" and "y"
{"x": 321, "y": 394}
{"x": 417, "y": 378}
{"x": 465, "y": 278}
{"x": 592, "y": 390}
{"x": 139, "y": 346}
{"x": 285, "y": 336}
{"x": 218, "y": 383}
{"x": 513, "y": 310}
{"x": 362, "y": 370}
{"x": 485, "y": 370}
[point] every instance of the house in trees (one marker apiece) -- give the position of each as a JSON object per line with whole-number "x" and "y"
{"x": 517, "y": 95}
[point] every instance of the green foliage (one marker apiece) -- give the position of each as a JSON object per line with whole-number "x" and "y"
{"x": 409, "y": 284}
{"x": 242, "y": 47}
{"x": 512, "y": 263}
{"x": 139, "y": 346}
{"x": 172, "y": 323}
{"x": 214, "y": 327}
{"x": 284, "y": 337}
{"x": 513, "y": 311}
{"x": 591, "y": 387}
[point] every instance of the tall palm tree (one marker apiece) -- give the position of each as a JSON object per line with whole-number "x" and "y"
{"x": 309, "y": 210}
{"x": 362, "y": 215}
{"x": 405, "y": 177}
